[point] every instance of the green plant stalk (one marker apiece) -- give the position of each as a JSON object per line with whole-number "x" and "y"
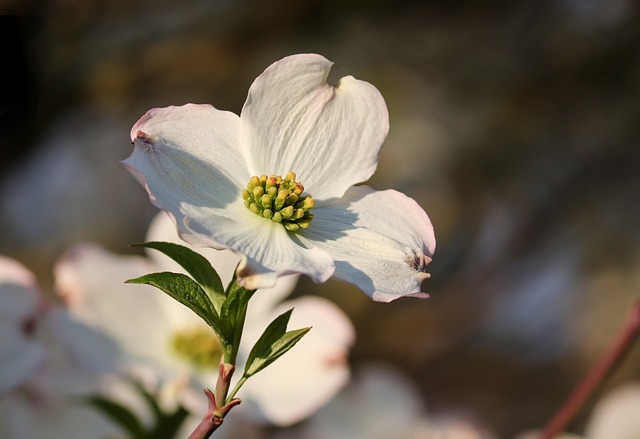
{"x": 236, "y": 388}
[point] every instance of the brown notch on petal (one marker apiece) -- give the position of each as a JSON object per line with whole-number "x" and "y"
{"x": 418, "y": 261}
{"x": 146, "y": 140}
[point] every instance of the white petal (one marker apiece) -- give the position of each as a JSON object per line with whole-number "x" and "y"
{"x": 380, "y": 241}
{"x": 188, "y": 159}
{"x": 311, "y": 373}
{"x": 268, "y": 250}
{"x": 378, "y": 403}
{"x": 20, "y": 354}
{"x": 293, "y": 120}
{"x": 20, "y": 357}
{"x": 91, "y": 281}
{"x": 616, "y": 415}
{"x": 87, "y": 346}
{"x": 19, "y": 293}
{"x": 265, "y": 299}
{"x": 201, "y": 131}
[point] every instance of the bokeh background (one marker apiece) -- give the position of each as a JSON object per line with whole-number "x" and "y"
{"x": 515, "y": 124}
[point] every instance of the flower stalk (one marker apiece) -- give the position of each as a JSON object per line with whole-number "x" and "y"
{"x": 613, "y": 357}
{"x": 225, "y": 372}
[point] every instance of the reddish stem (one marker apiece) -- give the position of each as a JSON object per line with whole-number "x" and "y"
{"x": 217, "y": 409}
{"x": 594, "y": 378}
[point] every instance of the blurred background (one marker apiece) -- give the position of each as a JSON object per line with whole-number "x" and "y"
{"x": 515, "y": 124}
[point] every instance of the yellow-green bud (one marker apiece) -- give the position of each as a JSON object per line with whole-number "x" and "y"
{"x": 258, "y": 192}
{"x": 298, "y": 214}
{"x": 287, "y": 212}
{"x": 265, "y": 200}
{"x": 254, "y": 182}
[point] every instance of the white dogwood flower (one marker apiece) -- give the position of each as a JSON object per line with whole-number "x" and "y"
{"x": 276, "y": 184}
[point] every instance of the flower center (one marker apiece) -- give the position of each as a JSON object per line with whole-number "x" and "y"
{"x": 280, "y": 200}
{"x": 197, "y": 345}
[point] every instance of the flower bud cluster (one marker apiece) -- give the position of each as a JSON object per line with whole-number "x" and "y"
{"x": 279, "y": 200}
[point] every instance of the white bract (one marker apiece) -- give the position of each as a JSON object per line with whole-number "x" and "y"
{"x": 39, "y": 383}
{"x": 231, "y": 182}
{"x": 165, "y": 341}
{"x": 20, "y": 354}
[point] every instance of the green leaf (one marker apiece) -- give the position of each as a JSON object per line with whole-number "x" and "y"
{"x": 232, "y": 315}
{"x": 168, "y": 425}
{"x": 119, "y": 414}
{"x": 273, "y": 343}
{"x": 186, "y": 291}
{"x": 196, "y": 265}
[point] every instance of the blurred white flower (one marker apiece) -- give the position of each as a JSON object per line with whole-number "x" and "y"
{"x": 37, "y": 379}
{"x": 168, "y": 344}
{"x": 381, "y": 403}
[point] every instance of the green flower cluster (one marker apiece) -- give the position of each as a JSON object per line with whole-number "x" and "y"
{"x": 279, "y": 200}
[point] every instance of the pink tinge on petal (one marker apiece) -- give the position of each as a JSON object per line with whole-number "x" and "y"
{"x": 418, "y": 295}
{"x": 144, "y": 139}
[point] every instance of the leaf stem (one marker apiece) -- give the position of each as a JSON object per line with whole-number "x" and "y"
{"x": 598, "y": 373}
{"x": 236, "y": 388}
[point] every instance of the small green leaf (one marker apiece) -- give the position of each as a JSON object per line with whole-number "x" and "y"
{"x": 186, "y": 291}
{"x": 196, "y": 265}
{"x": 232, "y": 315}
{"x": 273, "y": 343}
{"x": 119, "y": 414}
